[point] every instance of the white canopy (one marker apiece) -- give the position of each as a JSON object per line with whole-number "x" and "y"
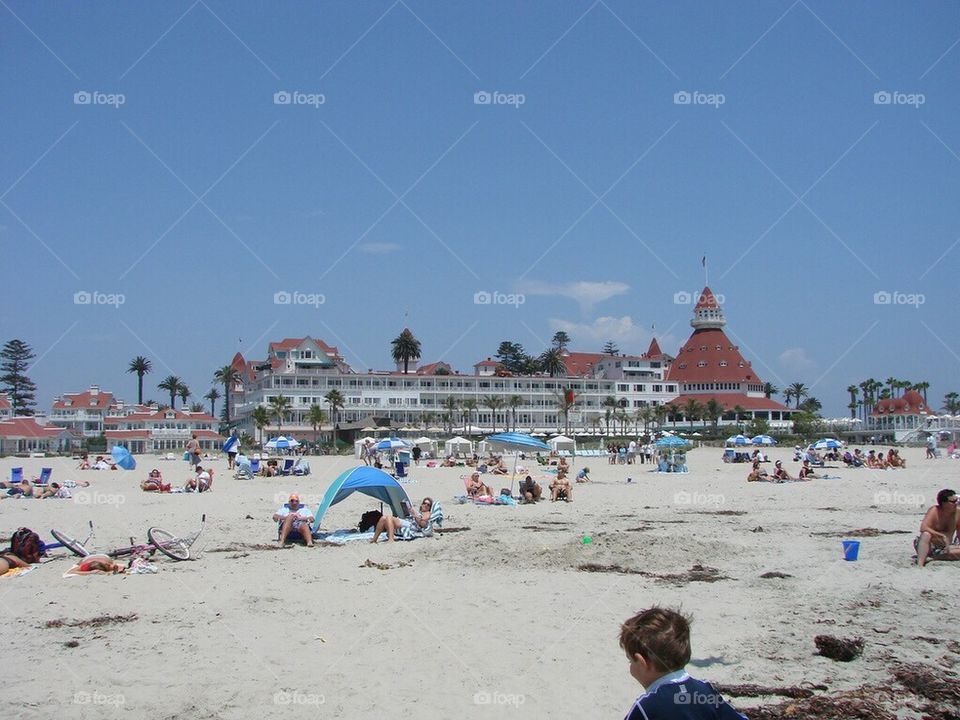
{"x": 561, "y": 442}
{"x": 457, "y": 444}
{"x": 425, "y": 443}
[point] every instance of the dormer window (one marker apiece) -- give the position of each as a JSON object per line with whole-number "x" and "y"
{"x": 703, "y": 348}
{"x": 682, "y": 366}
{"x": 723, "y": 363}
{"x": 702, "y": 363}
{"x": 741, "y": 363}
{"x": 719, "y": 347}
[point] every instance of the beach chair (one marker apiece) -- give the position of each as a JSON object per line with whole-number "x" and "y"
{"x": 44, "y": 478}
{"x": 301, "y": 467}
{"x": 287, "y": 468}
{"x": 16, "y": 475}
{"x": 434, "y": 524}
{"x": 255, "y": 466}
{"x": 401, "y": 470}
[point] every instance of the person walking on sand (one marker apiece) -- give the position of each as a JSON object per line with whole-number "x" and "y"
{"x": 937, "y": 530}
{"x": 193, "y": 448}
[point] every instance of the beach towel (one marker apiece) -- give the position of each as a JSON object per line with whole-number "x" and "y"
{"x": 343, "y": 537}
{"x": 18, "y": 571}
{"x": 484, "y": 500}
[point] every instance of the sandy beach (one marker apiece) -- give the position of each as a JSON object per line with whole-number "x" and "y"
{"x": 496, "y": 619}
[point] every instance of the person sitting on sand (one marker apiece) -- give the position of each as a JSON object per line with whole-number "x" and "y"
{"x": 392, "y": 525}
{"x": 500, "y": 468}
{"x": 894, "y": 460}
{"x": 100, "y": 463}
{"x": 84, "y": 462}
{"x": 201, "y": 482}
{"x": 583, "y": 476}
{"x": 530, "y": 491}
{"x": 806, "y": 472}
{"x": 758, "y": 474}
{"x": 779, "y": 473}
{"x": 476, "y": 487}
{"x": 271, "y": 469}
{"x": 937, "y": 530}
{"x": 561, "y": 486}
{"x": 448, "y": 462}
{"x": 296, "y": 519}
{"x": 154, "y": 483}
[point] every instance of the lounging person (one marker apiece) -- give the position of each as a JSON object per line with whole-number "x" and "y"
{"x": 56, "y": 490}
{"x": 561, "y": 487}
{"x": 779, "y": 473}
{"x": 657, "y": 644}
{"x": 530, "y": 491}
{"x": 391, "y": 525}
{"x": 9, "y": 561}
{"x": 201, "y": 482}
{"x": 476, "y": 487}
{"x": 154, "y": 483}
{"x": 100, "y": 463}
{"x": 296, "y": 519}
{"x": 758, "y": 474}
{"x": 806, "y": 472}
{"x": 84, "y": 462}
{"x": 894, "y": 460}
{"x": 22, "y": 489}
{"x": 499, "y": 468}
{"x": 99, "y": 563}
{"x": 937, "y": 530}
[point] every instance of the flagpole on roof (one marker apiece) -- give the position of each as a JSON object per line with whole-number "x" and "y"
{"x": 706, "y": 280}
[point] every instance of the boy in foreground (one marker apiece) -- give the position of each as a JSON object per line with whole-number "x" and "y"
{"x": 657, "y": 643}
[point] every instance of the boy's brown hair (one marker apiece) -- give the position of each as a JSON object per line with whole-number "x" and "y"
{"x": 661, "y": 636}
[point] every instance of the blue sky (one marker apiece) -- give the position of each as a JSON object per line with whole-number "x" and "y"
{"x": 621, "y": 143}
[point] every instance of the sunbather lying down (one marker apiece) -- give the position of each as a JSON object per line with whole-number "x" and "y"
{"x": 390, "y": 525}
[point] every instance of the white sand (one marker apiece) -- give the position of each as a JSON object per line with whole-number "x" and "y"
{"x": 494, "y": 616}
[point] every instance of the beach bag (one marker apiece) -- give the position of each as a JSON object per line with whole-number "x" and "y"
{"x": 26, "y": 545}
{"x": 505, "y": 492}
{"x": 369, "y": 520}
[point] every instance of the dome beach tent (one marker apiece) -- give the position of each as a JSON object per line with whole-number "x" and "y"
{"x": 369, "y": 481}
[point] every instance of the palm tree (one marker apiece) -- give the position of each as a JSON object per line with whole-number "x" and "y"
{"x": 739, "y": 413}
{"x": 769, "y": 390}
{"x": 564, "y": 404}
{"x": 494, "y": 402}
{"x": 316, "y": 417}
{"x": 426, "y": 418}
{"x": 141, "y": 366}
{"x": 798, "y": 391}
{"x": 227, "y": 376}
{"x": 213, "y": 396}
{"x": 893, "y": 384}
{"x": 450, "y": 405}
{"x": 171, "y": 383}
{"x": 951, "y": 403}
{"x": 278, "y": 409}
{"x": 196, "y": 407}
{"x": 853, "y": 390}
{"x": 184, "y": 392}
{"x": 692, "y": 410}
{"x": 788, "y": 396}
{"x": 712, "y": 411}
{"x": 922, "y": 387}
{"x": 405, "y": 348}
{"x": 261, "y": 418}
{"x": 660, "y": 413}
{"x": 552, "y": 362}
{"x": 609, "y": 405}
{"x": 469, "y": 406}
{"x": 335, "y": 401}
{"x": 513, "y": 402}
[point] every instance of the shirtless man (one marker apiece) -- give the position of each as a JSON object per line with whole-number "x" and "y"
{"x": 476, "y": 488}
{"x": 561, "y": 484}
{"x": 937, "y": 529}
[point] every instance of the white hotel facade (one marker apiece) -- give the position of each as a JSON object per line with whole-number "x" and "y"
{"x": 304, "y": 370}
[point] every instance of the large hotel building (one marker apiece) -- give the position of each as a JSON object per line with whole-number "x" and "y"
{"x": 304, "y": 370}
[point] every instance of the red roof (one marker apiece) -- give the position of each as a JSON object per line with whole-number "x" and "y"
{"x": 730, "y": 401}
{"x": 487, "y": 363}
{"x": 579, "y": 364}
{"x": 911, "y": 403}
{"x": 654, "y": 350}
{"x": 127, "y": 434}
{"x": 161, "y": 415}
{"x": 291, "y": 343}
{"x": 27, "y": 427}
{"x": 709, "y": 356}
{"x": 431, "y": 369}
{"x": 707, "y": 300}
{"x": 85, "y": 399}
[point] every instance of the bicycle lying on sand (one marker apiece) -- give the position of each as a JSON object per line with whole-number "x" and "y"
{"x": 174, "y": 547}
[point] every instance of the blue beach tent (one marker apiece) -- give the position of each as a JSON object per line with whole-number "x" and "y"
{"x": 369, "y": 481}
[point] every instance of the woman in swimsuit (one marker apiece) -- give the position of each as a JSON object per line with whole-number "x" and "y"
{"x": 8, "y": 561}
{"x": 391, "y": 525}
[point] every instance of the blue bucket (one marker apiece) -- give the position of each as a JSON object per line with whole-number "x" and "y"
{"x": 851, "y": 550}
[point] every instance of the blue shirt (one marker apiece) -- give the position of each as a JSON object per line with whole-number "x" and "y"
{"x": 677, "y": 696}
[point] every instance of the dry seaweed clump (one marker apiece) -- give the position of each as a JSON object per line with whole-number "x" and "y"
{"x": 841, "y": 649}
{"x": 99, "y": 621}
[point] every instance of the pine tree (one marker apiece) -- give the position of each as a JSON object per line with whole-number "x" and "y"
{"x": 16, "y": 356}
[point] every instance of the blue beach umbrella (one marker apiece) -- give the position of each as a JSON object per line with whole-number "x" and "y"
{"x": 671, "y": 441}
{"x": 738, "y": 440}
{"x": 392, "y": 444}
{"x": 123, "y": 458}
{"x": 282, "y": 443}
{"x": 518, "y": 440}
{"x": 827, "y": 444}
{"x": 763, "y": 440}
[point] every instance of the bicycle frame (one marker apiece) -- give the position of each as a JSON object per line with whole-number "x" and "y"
{"x": 150, "y": 547}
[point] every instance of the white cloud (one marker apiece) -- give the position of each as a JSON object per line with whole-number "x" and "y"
{"x": 584, "y": 292}
{"x": 378, "y": 248}
{"x": 631, "y": 338}
{"x": 796, "y": 359}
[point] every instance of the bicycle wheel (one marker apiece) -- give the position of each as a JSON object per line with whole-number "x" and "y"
{"x": 71, "y": 544}
{"x": 170, "y": 545}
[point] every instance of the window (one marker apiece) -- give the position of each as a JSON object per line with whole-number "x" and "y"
{"x": 702, "y": 363}
{"x": 719, "y": 347}
{"x": 723, "y": 363}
